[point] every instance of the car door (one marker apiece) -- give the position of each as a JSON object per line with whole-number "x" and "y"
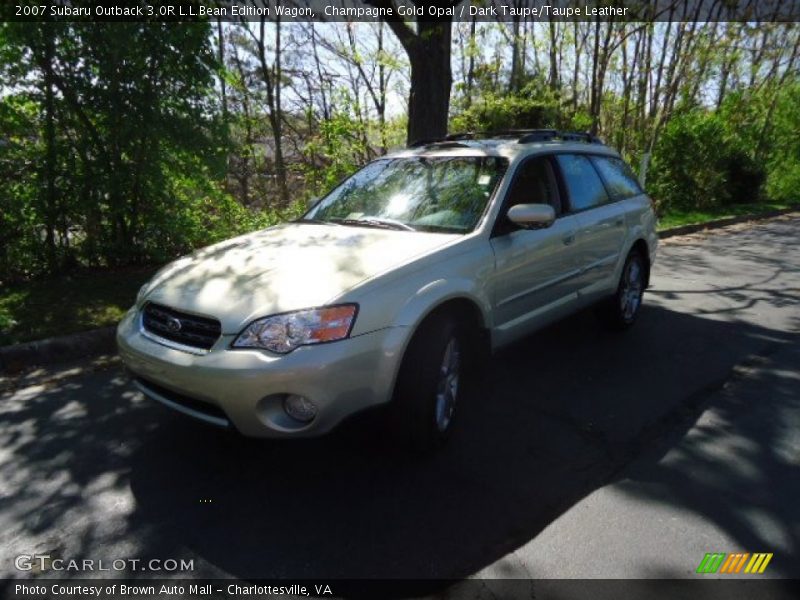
{"x": 535, "y": 270}
{"x": 601, "y": 223}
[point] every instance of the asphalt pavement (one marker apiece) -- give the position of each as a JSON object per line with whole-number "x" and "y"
{"x": 586, "y": 454}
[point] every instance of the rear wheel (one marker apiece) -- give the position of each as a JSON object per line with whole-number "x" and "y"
{"x": 622, "y": 309}
{"x": 430, "y": 384}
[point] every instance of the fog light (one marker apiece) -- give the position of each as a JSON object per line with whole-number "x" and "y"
{"x": 300, "y": 408}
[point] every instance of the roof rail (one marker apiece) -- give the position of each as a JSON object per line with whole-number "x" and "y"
{"x": 553, "y": 135}
{"x": 523, "y": 136}
{"x": 451, "y": 137}
{"x": 516, "y": 133}
{"x": 438, "y": 144}
{"x": 464, "y": 135}
{"x": 423, "y": 142}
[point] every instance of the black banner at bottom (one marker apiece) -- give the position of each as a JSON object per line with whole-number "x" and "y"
{"x": 468, "y": 589}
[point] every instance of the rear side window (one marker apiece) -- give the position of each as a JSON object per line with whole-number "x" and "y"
{"x": 619, "y": 178}
{"x": 586, "y": 189}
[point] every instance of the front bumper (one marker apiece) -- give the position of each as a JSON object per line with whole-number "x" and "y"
{"x": 247, "y": 387}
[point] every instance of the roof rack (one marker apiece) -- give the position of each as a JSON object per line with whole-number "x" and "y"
{"x": 443, "y": 143}
{"x": 451, "y": 137}
{"x": 522, "y": 136}
{"x": 519, "y": 133}
{"x": 464, "y": 135}
{"x": 553, "y": 135}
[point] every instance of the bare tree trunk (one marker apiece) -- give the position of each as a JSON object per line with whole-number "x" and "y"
{"x": 431, "y": 78}
{"x": 576, "y": 68}
{"x": 656, "y": 89}
{"x": 602, "y": 53}
{"x": 789, "y": 70}
{"x": 382, "y": 87}
{"x": 243, "y": 172}
{"x": 644, "y": 79}
{"x": 326, "y": 111}
{"x": 515, "y": 79}
{"x": 49, "y": 201}
{"x": 221, "y": 59}
{"x": 272, "y": 79}
{"x": 428, "y": 52}
{"x": 554, "y": 79}
{"x": 627, "y": 77}
{"x": 224, "y": 95}
{"x": 471, "y": 68}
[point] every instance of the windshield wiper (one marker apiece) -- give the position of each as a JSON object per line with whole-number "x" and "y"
{"x": 377, "y": 222}
{"x": 315, "y": 221}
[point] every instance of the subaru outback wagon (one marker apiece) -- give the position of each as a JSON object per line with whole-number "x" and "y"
{"x": 388, "y": 286}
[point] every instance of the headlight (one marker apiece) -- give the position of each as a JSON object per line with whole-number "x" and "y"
{"x": 283, "y": 333}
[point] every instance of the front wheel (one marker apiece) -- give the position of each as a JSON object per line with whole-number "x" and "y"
{"x": 430, "y": 384}
{"x": 622, "y": 309}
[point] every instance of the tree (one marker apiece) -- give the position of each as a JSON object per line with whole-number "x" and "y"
{"x": 272, "y": 73}
{"x": 428, "y": 50}
{"x": 114, "y": 140}
{"x": 127, "y": 126}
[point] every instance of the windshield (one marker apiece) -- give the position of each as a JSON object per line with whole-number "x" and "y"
{"x": 419, "y": 193}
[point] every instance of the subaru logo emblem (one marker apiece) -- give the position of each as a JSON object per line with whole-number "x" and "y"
{"x": 173, "y": 324}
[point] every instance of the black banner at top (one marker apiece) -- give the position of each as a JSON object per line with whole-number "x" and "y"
{"x": 288, "y": 11}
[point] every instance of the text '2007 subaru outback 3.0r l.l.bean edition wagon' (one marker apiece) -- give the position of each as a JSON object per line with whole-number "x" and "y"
{"x": 387, "y": 286}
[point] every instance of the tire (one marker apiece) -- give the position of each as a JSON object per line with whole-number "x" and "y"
{"x": 430, "y": 384}
{"x": 622, "y": 309}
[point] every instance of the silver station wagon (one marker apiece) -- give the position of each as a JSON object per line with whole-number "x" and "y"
{"x": 390, "y": 285}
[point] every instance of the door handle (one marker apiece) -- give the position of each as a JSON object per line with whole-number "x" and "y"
{"x": 619, "y": 222}
{"x": 568, "y": 239}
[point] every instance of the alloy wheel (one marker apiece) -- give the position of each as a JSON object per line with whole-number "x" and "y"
{"x": 632, "y": 289}
{"x": 447, "y": 385}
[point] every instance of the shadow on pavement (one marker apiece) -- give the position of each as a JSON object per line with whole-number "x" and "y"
{"x": 559, "y": 416}
{"x": 737, "y": 467}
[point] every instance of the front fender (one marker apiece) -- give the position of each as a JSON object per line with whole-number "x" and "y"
{"x": 434, "y": 294}
{"x": 427, "y": 299}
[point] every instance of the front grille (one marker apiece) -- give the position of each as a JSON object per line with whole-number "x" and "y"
{"x": 180, "y": 327}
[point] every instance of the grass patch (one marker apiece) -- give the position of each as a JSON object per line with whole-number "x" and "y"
{"x": 65, "y": 304}
{"x": 677, "y": 218}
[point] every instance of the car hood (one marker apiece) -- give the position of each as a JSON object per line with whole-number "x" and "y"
{"x": 283, "y": 268}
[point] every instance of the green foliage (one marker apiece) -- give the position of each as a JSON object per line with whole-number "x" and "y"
{"x": 109, "y": 146}
{"x": 700, "y": 163}
{"x": 534, "y": 107}
{"x": 67, "y": 303}
{"x": 334, "y": 153}
{"x": 704, "y": 160}
{"x": 677, "y": 217}
{"x": 115, "y": 148}
{"x": 341, "y": 144}
{"x": 19, "y": 239}
{"x": 783, "y": 164}
{"x": 747, "y": 151}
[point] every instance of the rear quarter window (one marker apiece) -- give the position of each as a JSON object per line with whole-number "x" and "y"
{"x": 619, "y": 179}
{"x": 586, "y": 190}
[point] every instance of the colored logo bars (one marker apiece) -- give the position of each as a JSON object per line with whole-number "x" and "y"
{"x": 720, "y": 562}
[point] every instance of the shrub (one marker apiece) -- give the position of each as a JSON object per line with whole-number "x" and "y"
{"x": 533, "y": 107}
{"x": 697, "y": 164}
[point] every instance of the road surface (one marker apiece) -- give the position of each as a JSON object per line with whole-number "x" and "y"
{"x": 590, "y": 454}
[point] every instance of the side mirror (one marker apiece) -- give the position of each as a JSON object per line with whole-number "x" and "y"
{"x": 532, "y": 216}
